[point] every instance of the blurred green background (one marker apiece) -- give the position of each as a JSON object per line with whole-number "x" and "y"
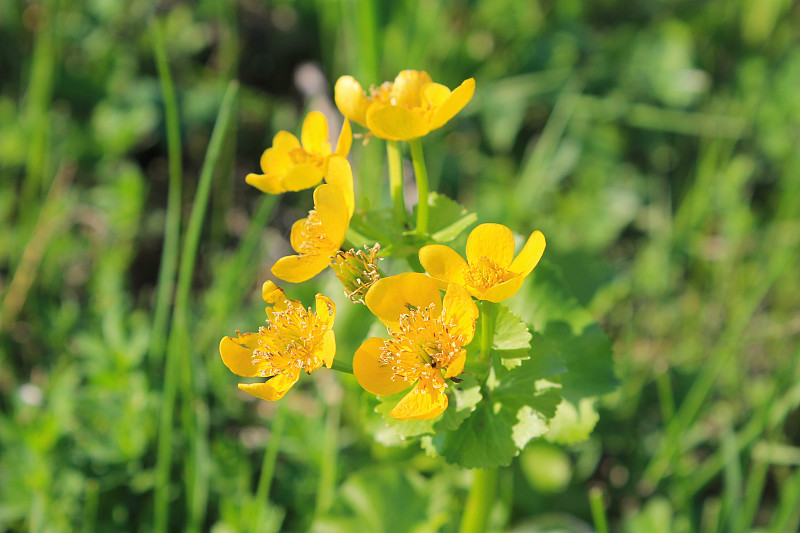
{"x": 656, "y": 143}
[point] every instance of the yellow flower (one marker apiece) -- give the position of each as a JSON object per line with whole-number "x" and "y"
{"x": 427, "y": 338}
{"x": 405, "y": 109}
{"x": 294, "y": 339}
{"x": 292, "y": 165}
{"x": 489, "y": 272}
{"x": 319, "y": 236}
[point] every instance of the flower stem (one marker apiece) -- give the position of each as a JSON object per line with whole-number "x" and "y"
{"x": 342, "y": 366}
{"x": 487, "y": 330}
{"x": 396, "y": 182}
{"x": 482, "y": 494}
{"x": 421, "y": 175}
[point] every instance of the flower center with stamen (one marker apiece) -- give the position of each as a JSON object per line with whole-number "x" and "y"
{"x": 421, "y": 347}
{"x": 300, "y": 155}
{"x": 312, "y": 236}
{"x": 291, "y": 341}
{"x": 484, "y": 274}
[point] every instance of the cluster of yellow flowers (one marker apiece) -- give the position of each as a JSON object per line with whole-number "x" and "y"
{"x": 427, "y": 333}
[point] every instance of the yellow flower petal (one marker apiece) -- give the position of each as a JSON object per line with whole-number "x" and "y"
{"x": 276, "y": 161}
{"x": 273, "y": 389}
{"x": 301, "y": 176}
{"x": 299, "y": 268}
{"x": 407, "y": 88}
{"x": 237, "y": 354}
{"x": 422, "y": 403}
{"x": 274, "y": 296}
{"x": 530, "y": 255}
{"x": 270, "y": 184}
{"x": 285, "y": 142}
{"x": 328, "y": 348}
{"x": 325, "y": 309}
{"x": 389, "y": 297}
{"x": 371, "y": 374}
{"x": 460, "y": 96}
{"x": 461, "y": 310}
{"x": 492, "y": 241}
{"x": 396, "y": 123}
{"x": 314, "y": 136}
{"x": 341, "y": 175}
{"x": 503, "y": 291}
{"x": 296, "y": 237}
{"x": 345, "y": 139}
{"x": 331, "y": 206}
{"x": 351, "y": 100}
{"x": 457, "y": 366}
{"x": 443, "y": 263}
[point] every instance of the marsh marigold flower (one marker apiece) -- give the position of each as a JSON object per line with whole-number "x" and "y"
{"x": 295, "y": 339}
{"x": 426, "y": 344}
{"x": 292, "y": 164}
{"x": 490, "y": 272}
{"x": 409, "y": 107}
{"x": 318, "y": 237}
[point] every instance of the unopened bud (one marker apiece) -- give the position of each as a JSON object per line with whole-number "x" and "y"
{"x": 357, "y": 270}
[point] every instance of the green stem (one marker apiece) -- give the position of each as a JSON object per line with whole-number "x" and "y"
{"x": 487, "y": 331}
{"x": 598, "y": 510}
{"x": 178, "y": 365}
{"x": 481, "y": 497}
{"x": 421, "y": 175}
{"x": 396, "y": 182}
{"x": 268, "y": 468}
{"x": 172, "y": 227}
{"x": 342, "y": 366}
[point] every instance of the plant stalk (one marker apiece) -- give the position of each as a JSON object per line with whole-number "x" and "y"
{"x": 396, "y": 182}
{"x": 421, "y": 175}
{"x": 481, "y": 497}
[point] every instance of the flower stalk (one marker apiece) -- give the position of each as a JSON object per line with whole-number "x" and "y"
{"x": 482, "y": 495}
{"x": 396, "y": 181}
{"x": 421, "y": 175}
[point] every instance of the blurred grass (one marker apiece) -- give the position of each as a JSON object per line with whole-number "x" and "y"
{"x": 655, "y": 144}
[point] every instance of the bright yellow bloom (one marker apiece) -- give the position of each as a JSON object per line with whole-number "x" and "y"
{"x": 427, "y": 339}
{"x": 489, "y": 273}
{"x": 318, "y": 237}
{"x": 294, "y": 339}
{"x": 292, "y": 165}
{"x": 405, "y": 109}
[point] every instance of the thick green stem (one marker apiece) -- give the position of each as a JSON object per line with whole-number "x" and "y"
{"x": 396, "y": 182}
{"x": 481, "y": 497}
{"x": 342, "y": 366}
{"x": 421, "y": 175}
{"x": 487, "y": 331}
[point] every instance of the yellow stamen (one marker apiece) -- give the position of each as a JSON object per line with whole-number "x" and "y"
{"x": 484, "y": 273}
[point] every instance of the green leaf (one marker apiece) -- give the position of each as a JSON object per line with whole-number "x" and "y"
{"x": 573, "y": 424}
{"x": 403, "y": 428}
{"x": 448, "y": 218}
{"x": 512, "y": 339}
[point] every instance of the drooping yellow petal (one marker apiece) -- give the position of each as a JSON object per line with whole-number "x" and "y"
{"x": 301, "y": 176}
{"x": 351, "y": 100}
{"x": 407, "y": 88}
{"x": 341, "y": 174}
{"x": 422, "y": 403}
{"x": 494, "y": 242}
{"x": 328, "y": 348}
{"x": 345, "y": 139}
{"x": 314, "y": 136}
{"x": 333, "y": 211}
{"x": 395, "y": 122}
{"x": 299, "y": 268}
{"x": 390, "y": 297}
{"x": 268, "y": 183}
{"x": 457, "y": 366}
{"x": 503, "y": 291}
{"x": 460, "y": 96}
{"x": 273, "y": 389}
{"x": 443, "y": 263}
{"x": 460, "y": 310}
{"x": 530, "y": 255}
{"x": 237, "y": 354}
{"x": 376, "y": 377}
